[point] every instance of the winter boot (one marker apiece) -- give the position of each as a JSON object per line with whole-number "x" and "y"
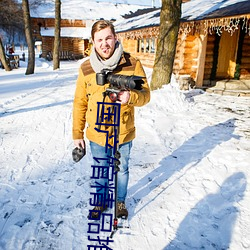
{"x": 122, "y": 211}
{"x": 98, "y": 211}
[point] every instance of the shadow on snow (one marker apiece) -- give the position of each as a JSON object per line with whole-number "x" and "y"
{"x": 190, "y": 153}
{"x": 210, "y": 223}
{"x": 23, "y": 110}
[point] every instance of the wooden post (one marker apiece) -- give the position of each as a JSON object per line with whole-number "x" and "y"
{"x": 201, "y": 60}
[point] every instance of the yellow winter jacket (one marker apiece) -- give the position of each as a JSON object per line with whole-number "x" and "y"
{"x": 88, "y": 94}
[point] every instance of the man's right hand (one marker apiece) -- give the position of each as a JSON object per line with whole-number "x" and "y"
{"x": 79, "y": 143}
{"x": 79, "y": 151}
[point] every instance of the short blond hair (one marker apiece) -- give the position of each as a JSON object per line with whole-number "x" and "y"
{"x": 100, "y": 25}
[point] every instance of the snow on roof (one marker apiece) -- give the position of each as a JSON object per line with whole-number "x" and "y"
{"x": 192, "y": 10}
{"x": 197, "y": 9}
{"x": 85, "y": 10}
{"x": 79, "y": 32}
{"x": 145, "y": 20}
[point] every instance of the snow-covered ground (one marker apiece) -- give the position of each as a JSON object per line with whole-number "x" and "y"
{"x": 189, "y": 168}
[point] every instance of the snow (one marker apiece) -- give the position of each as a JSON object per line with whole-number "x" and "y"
{"x": 84, "y": 33}
{"x": 155, "y": 3}
{"x": 145, "y": 20}
{"x": 86, "y": 10}
{"x": 189, "y": 168}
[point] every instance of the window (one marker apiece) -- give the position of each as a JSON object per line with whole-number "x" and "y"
{"x": 146, "y": 45}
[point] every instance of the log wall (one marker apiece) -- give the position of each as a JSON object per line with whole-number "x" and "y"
{"x": 209, "y": 57}
{"x": 186, "y": 56}
{"x": 132, "y": 46}
{"x": 178, "y": 61}
{"x": 50, "y": 22}
{"x": 74, "y": 45}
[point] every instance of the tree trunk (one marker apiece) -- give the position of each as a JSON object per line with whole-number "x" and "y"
{"x": 28, "y": 33}
{"x": 3, "y": 57}
{"x": 56, "y": 59}
{"x": 168, "y": 34}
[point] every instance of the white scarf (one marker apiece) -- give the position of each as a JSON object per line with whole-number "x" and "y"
{"x": 98, "y": 64}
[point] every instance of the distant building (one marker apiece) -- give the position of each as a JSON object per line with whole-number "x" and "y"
{"x": 74, "y": 37}
{"x": 77, "y": 19}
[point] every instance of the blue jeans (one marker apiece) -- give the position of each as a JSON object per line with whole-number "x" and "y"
{"x": 123, "y": 175}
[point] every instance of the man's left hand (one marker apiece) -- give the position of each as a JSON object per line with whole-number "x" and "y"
{"x": 123, "y": 97}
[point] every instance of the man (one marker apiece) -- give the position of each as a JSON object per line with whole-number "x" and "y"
{"x": 107, "y": 54}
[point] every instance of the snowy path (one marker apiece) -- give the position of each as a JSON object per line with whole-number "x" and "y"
{"x": 189, "y": 172}
{"x": 36, "y": 169}
{"x": 181, "y": 181}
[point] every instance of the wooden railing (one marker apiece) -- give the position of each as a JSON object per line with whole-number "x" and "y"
{"x": 64, "y": 55}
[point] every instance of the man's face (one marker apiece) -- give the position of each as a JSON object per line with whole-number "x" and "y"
{"x": 104, "y": 42}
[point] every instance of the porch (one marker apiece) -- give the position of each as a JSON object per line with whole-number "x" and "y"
{"x": 231, "y": 87}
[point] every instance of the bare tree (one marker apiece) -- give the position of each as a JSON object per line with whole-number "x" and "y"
{"x": 168, "y": 34}
{"x": 3, "y": 57}
{"x": 56, "y": 59}
{"x": 11, "y": 24}
{"x": 11, "y": 16}
{"x": 28, "y": 33}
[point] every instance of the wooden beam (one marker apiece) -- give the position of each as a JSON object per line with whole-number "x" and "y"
{"x": 201, "y": 60}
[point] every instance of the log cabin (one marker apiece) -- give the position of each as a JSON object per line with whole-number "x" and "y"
{"x": 213, "y": 41}
{"x": 74, "y": 37}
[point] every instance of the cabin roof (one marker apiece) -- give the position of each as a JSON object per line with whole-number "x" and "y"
{"x": 140, "y": 21}
{"x": 208, "y": 9}
{"x": 193, "y": 10}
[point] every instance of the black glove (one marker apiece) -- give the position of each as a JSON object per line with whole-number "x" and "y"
{"x": 78, "y": 153}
